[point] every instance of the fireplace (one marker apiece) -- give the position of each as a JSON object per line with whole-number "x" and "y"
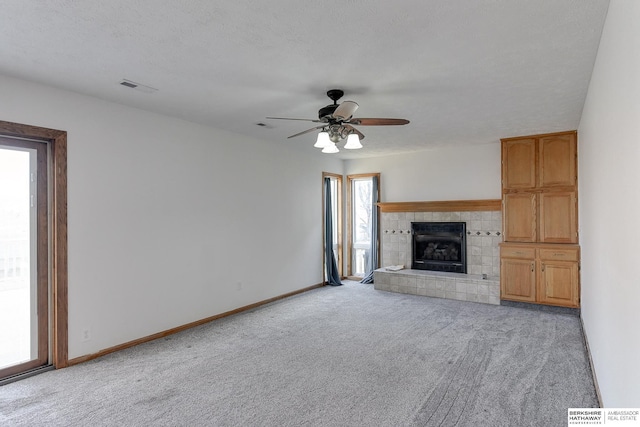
{"x": 439, "y": 246}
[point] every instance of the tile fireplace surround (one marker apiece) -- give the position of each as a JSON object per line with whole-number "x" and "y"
{"x": 484, "y": 228}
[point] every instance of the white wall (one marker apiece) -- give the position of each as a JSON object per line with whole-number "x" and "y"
{"x": 171, "y": 222}
{"x": 462, "y": 173}
{"x": 609, "y": 161}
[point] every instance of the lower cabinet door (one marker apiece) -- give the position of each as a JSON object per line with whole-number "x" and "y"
{"x": 558, "y": 283}
{"x": 518, "y": 279}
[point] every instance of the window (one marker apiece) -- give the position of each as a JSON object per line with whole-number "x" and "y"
{"x": 360, "y": 199}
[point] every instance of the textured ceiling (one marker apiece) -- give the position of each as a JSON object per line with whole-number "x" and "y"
{"x": 462, "y": 71}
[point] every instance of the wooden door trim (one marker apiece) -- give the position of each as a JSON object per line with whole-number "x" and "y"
{"x": 57, "y": 140}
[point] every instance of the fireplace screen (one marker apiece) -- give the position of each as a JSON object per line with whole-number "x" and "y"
{"x": 439, "y": 246}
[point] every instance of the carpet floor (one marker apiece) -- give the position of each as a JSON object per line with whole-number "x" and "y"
{"x": 333, "y": 356}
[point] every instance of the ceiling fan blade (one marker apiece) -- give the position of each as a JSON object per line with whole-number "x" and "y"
{"x": 286, "y": 118}
{"x": 345, "y": 110}
{"x": 306, "y": 131}
{"x": 354, "y": 130}
{"x": 378, "y": 122}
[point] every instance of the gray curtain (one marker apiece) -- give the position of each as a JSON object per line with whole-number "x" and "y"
{"x": 372, "y": 262}
{"x": 333, "y": 277}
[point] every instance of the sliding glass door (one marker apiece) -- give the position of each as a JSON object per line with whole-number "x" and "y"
{"x": 24, "y": 290}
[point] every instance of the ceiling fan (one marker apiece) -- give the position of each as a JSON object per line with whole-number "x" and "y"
{"x": 337, "y": 124}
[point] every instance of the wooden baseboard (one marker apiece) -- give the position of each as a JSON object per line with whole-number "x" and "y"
{"x": 593, "y": 370}
{"x": 172, "y": 331}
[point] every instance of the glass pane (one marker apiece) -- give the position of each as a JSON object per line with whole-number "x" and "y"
{"x": 18, "y": 326}
{"x": 359, "y": 261}
{"x": 334, "y": 211}
{"x": 362, "y": 205}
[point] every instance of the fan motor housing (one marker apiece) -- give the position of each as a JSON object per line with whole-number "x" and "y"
{"x": 327, "y": 111}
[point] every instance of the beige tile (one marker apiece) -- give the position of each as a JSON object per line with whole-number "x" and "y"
{"x": 472, "y": 288}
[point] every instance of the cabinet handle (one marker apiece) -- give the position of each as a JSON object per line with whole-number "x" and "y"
{"x": 542, "y": 267}
{"x": 532, "y": 270}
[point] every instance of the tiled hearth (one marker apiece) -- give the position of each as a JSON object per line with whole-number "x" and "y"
{"x": 436, "y": 284}
{"x": 483, "y": 257}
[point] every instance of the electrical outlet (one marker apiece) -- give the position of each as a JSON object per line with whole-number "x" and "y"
{"x": 86, "y": 334}
{"x": 238, "y": 286}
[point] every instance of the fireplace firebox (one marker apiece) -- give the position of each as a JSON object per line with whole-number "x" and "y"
{"x": 439, "y": 246}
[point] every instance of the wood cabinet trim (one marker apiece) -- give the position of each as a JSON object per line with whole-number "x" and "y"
{"x": 540, "y": 135}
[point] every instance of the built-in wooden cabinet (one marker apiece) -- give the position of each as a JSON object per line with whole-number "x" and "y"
{"x": 540, "y": 207}
{"x": 539, "y": 189}
{"x": 546, "y": 274}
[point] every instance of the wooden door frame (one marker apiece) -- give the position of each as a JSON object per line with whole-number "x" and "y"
{"x": 57, "y": 141}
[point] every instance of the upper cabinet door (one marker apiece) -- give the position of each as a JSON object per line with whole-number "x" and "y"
{"x": 519, "y": 217}
{"x": 519, "y": 164}
{"x": 557, "y": 161}
{"x": 558, "y": 217}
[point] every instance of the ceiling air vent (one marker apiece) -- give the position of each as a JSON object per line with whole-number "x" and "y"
{"x": 138, "y": 86}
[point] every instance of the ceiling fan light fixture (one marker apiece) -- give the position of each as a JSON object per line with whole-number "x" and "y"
{"x": 331, "y": 148}
{"x": 353, "y": 142}
{"x": 338, "y": 124}
{"x": 323, "y": 140}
